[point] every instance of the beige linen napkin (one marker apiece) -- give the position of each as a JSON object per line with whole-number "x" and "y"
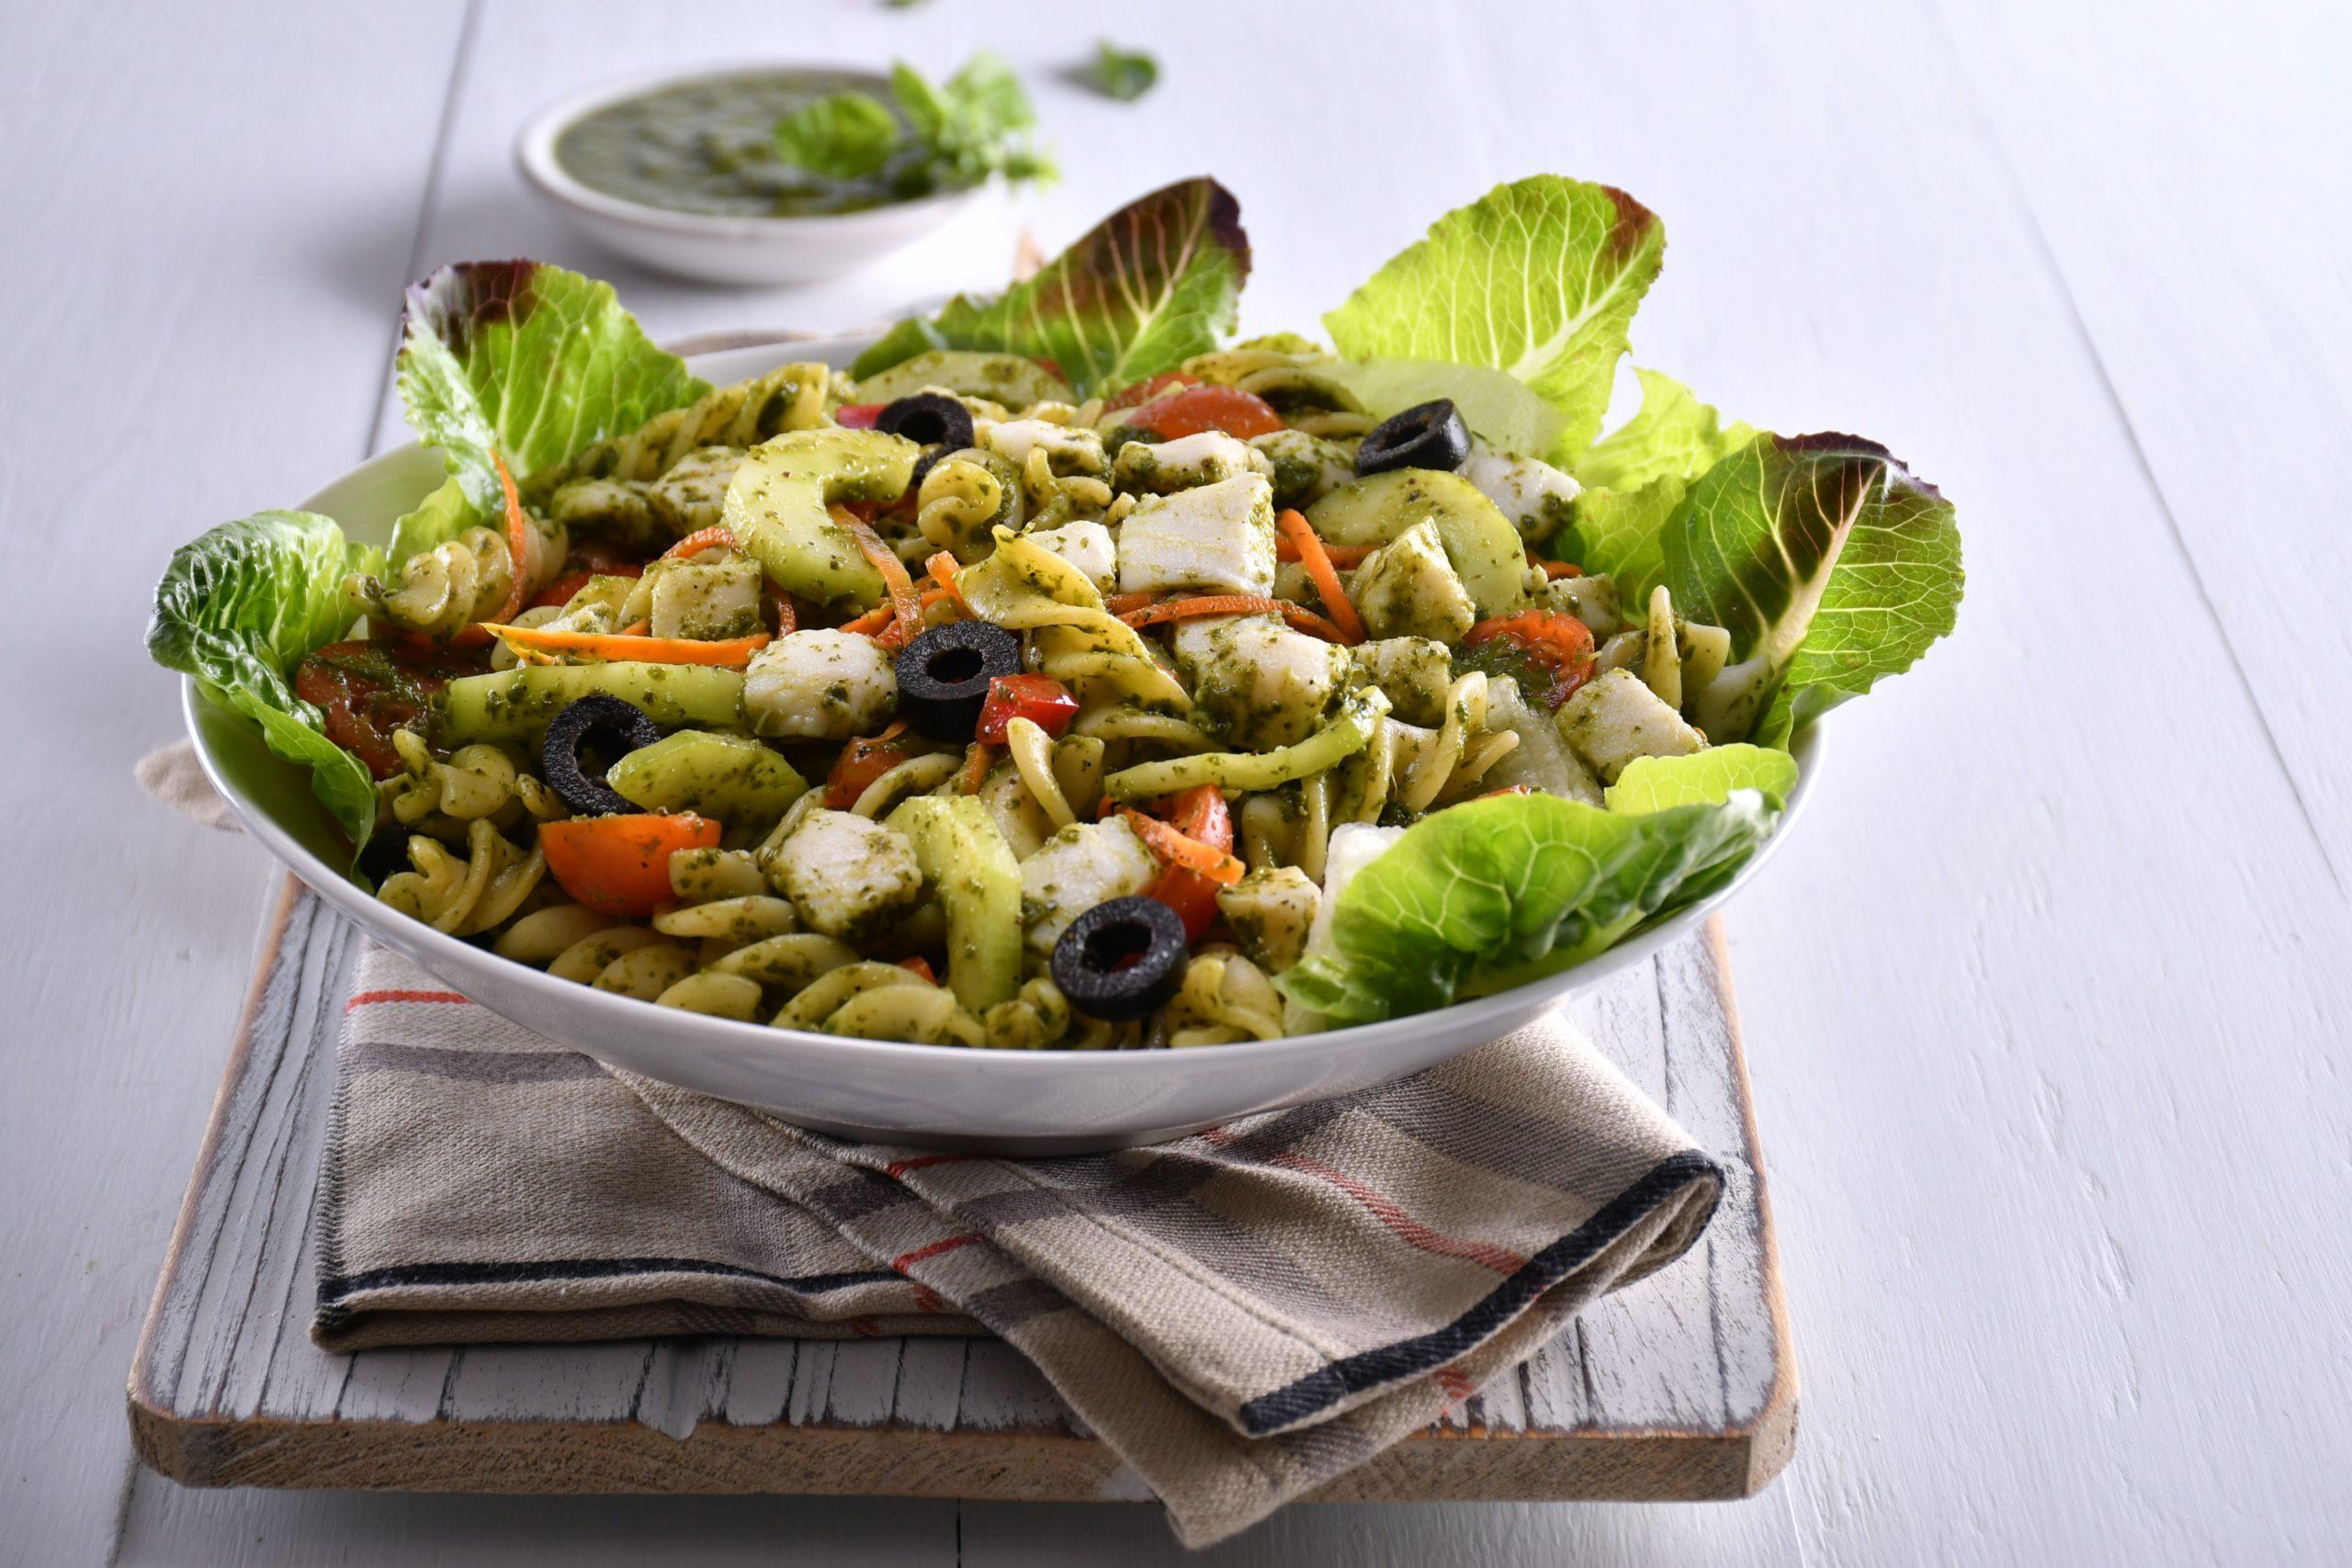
{"x": 1241, "y": 1315}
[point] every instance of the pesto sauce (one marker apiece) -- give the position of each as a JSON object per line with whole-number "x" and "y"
{"x": 709, "y": 146}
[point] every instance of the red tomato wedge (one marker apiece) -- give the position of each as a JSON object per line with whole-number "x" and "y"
{"x": 369, "y": 689}
{"x": 620, "y": 865}
{"x": 1196, "y": 409}
{"x": 858, "y": 416}
{"x": 864, "y": 761}
{"x": 1041, "y": 700}
{"x": 1143, "y": 392}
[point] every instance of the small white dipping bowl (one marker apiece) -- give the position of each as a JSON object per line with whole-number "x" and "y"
{"x": 710, "y": 247}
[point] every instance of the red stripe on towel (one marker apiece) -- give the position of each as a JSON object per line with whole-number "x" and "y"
{"x": 1502, "y": 1260}
{"x": 906, "y": 1260}
{"x": 369, "y": 998}
{"x": 899, "y": 1167}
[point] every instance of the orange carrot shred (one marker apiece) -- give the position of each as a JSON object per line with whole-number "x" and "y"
{"x": 1180, "y": 848}
{"x": 636, "y": 628}
{"x": 1319, "y": 571}
{"x": 518, "y": 549}
{"x": 733, "y": 653}
{"x": 701, "y": 539}
{"x": 975, "y": 770}
{"x": 1297, "y": 615}
{"x": 904, "y": 607}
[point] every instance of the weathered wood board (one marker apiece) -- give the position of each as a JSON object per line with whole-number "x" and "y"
{"x": 1682, "y": 1387}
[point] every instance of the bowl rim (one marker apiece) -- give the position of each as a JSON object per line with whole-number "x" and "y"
{"x": 534, "y": 156}
{"x": 816, "y": 1048}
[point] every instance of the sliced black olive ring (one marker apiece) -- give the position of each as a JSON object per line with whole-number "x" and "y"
{"x": 944, "y": 676}
{"x": 1427, "y": 435}
{"x": 1122, "y": 960}
{"x": 927, "y": 419}
{"x": 615, "y": 728}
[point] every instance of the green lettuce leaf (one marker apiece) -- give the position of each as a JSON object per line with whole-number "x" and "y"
{"x": 1493, "y": 892}
{"x": 529, "y": 362}
{"x": 1703, "y": 778}
{"x": 1829, "y": 563}
{"x": 1635, "y": 477}
{"x": 1671, "y": 436}
{"x": 238, "y": 607}
{"x": 1145, "y": 289}
{"x": 438, "y": 518}
{"x": 1539, "y": 278}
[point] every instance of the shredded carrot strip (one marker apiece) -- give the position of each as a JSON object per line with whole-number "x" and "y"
{"x": 1298, "y": 616}
{"x": 518, "y": 571}
{"x": 942, "y": 570}
{"x": 628, "y": 646}
{"x": 1179, "y": 849}
{"x": 1121, "y": 604}
{"x": 1321, "y": 572}
{"x": 874, "y": 622}
{"x": 701, "y": 539}
{"x": 1341, "y": 554}
{"x": 919, "y": 965}
{"x": 975, "y": 770}
{"x": 788, "y": 618}
{"x": 1555, "y": 569}
{"x": 905, "y": 607}
{"x": 636, "y": 628}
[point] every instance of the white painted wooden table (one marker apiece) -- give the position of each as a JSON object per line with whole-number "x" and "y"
{"x": 2044, "y": 1006}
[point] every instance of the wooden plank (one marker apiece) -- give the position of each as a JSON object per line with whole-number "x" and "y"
{"x": 228, "y": 1391}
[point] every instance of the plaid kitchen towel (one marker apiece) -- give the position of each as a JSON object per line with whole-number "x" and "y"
{"x": 1241, "y": 1315}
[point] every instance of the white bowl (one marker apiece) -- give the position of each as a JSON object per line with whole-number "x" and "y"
{"x": 714, "y": 248}
{"x": 1011, "y": 1102}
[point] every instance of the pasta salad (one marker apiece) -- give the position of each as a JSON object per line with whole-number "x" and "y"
{"x": 1062, "y": 674}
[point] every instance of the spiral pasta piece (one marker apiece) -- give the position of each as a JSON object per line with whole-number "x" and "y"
{"x": 1023, "y": 586}
{"x": 463, "y": 896}
{"x": 791, "y": 396}
{"x": 477, "y": 780}
{"x": 966, "y": 495}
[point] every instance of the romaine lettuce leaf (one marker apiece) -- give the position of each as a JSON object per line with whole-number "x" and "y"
{"x": 1539, "y": 278}
{"x": 1493, "y": 892}
{"x": 438, "y": 518}
{"x": 1703, "y": 778}
{"x": 238, "y": 606}
{"x": 1635, "y": 477}
{"x": 1671, "y": 436}
{"x": 1829, "y": 563}
{"x": 530, "y": 362}
{"x": 1142, "y": 291}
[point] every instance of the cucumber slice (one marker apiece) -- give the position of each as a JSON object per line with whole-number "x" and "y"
{"x": 515, "y": 704}
{"x": 730, "y": 777}
{"x": 966, "y": 859}
{"x": 1480, "y": 543}
{"x": 775, "y": 508}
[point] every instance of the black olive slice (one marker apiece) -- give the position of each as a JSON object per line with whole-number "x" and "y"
{"x": 1427, "y": 435}
{"x": 927, "y": 419}
{"x": 944, "y": 676}
{"x": 614, "y": 728}
{"x": 1122, "y": 960}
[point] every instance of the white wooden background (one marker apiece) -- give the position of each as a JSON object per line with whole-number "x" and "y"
{"x": 2044, "y": 1006}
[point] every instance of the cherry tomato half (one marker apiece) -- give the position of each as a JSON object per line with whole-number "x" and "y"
{"x": 1041, "y": 700}
{"x": 369, "y": 689}
{"x": 620, "y": 865}
{"x": 858, "y": 416}
{"x": 1196, "y": 409}
{"x": 861, "y": 762}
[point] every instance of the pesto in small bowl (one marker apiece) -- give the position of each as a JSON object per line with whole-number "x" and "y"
{"x": 708, "y": 145}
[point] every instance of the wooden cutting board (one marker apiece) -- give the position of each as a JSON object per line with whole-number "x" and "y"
{"x": 1681, "y": 1386}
